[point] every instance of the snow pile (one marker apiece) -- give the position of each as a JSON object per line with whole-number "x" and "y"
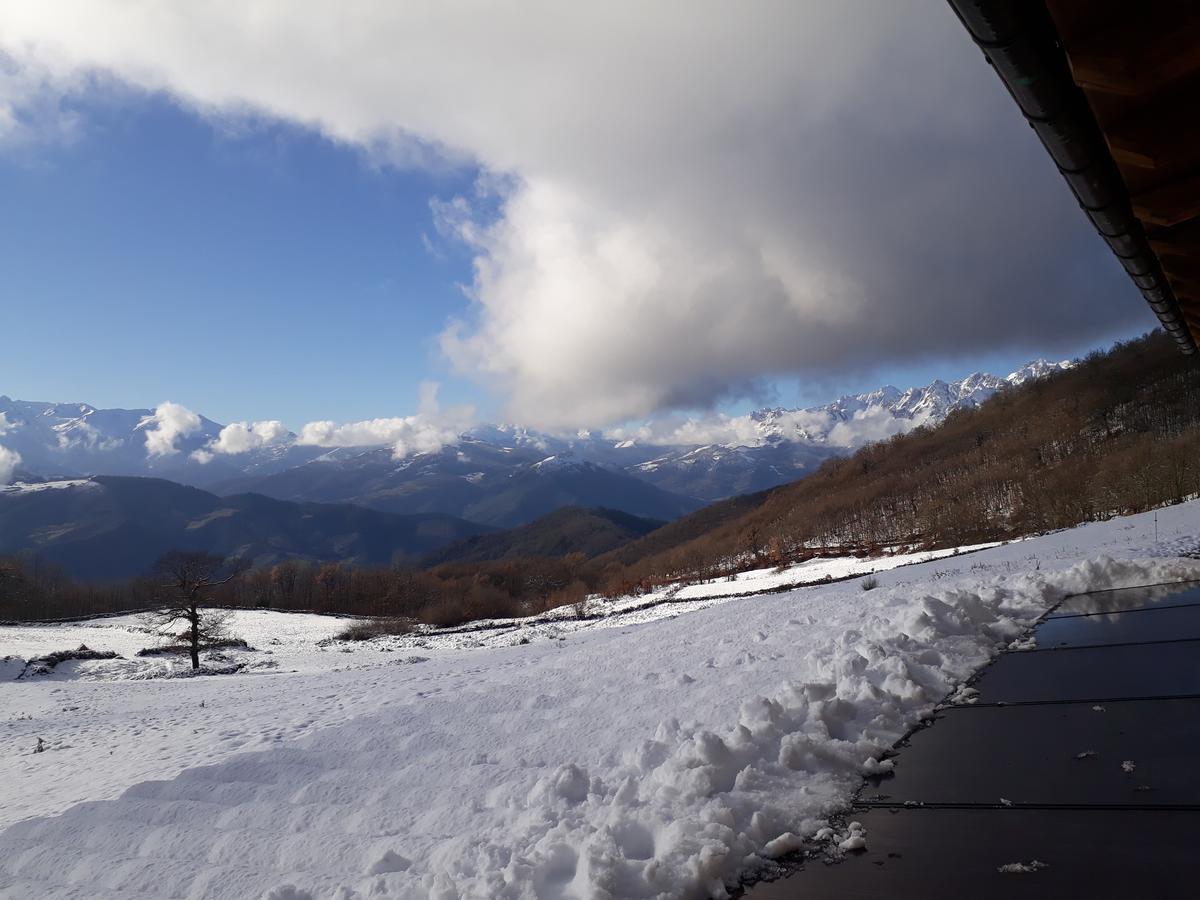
{"x": 683, "y": 813}
{"x": 44, "y": 665}
{"x": 669, "y": 759}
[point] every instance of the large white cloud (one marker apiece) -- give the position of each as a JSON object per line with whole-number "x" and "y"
{"x": 9, "y": 460}
{"x": 872, "y": 424}
{"x": 691, "y": 194}
{"x": 242, "y": 437}
{"x": 815, "y": 425}
{"x": 427, "y": 431}
{"x": 719, "y": 428}
{"x": 166, "y": 425}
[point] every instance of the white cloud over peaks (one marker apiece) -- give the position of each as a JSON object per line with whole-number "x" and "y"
{"x": 169, "y": 423}
{"x": 868, "y": 425}
{"x": 816, "y": 425}
{"x": 242, "y": 437}
{"x": 682, "y": 200}
{"x": 428, "y": 431}
{"x": 9, "y": 460}
{"x": 716, "y": 428}
{"x": 5, "y": 425}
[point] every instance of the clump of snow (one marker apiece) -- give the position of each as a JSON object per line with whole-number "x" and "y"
{"x": 1086, "y": 754}
{"x": 1127, "y": 766}
{"x": 1021, "y": 868}
{"x": 663, "y": 758}
{"x": 390, "y": 861}
{"x": 963, "y": 695}
{"x": 874, "y": 766}
{"x": 786, "y": 843}
{"x": 855, "y": 839}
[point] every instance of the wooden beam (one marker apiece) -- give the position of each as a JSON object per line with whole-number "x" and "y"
{"x": 1169, "y": 142}
{"x": 1169, "y": 204}
{"x": 1141, "y": 54}
{"x": 1180, "y": 268}
{"x": 1181, "y": 241}
{"x": 1183, "y": 286}
{"x": 1162, "y": 133}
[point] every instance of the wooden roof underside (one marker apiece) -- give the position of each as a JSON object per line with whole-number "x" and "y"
{"x": 1138, "y": 64}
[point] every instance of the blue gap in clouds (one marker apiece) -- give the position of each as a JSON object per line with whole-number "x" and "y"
{"x": 249, "y": 272}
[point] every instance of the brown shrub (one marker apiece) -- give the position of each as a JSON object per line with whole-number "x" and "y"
{"x": 366, "y": 629}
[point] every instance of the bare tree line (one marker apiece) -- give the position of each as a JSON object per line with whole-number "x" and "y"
{"x": 448, "y": 595}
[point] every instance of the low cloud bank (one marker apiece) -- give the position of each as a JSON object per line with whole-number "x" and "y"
{"x": 753, "y": 430}
{"x": 242, "y": 437}
{"x": 9, "y": 460}
{"x": 169, "y": 423}
{"x": 427, "y": 431}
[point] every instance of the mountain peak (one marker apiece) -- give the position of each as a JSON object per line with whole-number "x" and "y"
{"x": 1038, "y": 368}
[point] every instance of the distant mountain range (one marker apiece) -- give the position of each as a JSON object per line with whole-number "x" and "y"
{"x": 474, "y": 480}
{"x": 116, "y": 527}
{"x": 497, "y": 475}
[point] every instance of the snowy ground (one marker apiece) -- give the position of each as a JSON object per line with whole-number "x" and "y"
{"x": 609, "y": 758}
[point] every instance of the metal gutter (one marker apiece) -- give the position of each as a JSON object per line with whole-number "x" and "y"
{"x": 1020, "y": 42}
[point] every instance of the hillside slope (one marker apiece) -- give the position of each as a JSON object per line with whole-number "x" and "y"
{"x": 572, "y": 529}
{"x": 1118, "y": 433}
{"x": 686, "y": 529}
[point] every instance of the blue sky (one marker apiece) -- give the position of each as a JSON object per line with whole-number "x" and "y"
{"x": 780, "y": 209}
{"x": 262, "y": 272}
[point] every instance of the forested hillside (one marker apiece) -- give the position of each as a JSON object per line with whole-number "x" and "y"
{"x": 1119, "y": 433}
{"x": 572, "y": 529}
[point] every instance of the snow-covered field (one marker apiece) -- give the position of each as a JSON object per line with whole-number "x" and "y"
{"x": 658, "y": 751}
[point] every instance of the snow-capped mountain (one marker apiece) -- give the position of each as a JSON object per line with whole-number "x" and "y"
{"x": 705, "y": 459}
{"x": 1039, "y": 368}
{"x": 773, "y": 446}
{"x": 79, "y": 439}
{"x": 915, "y": 406}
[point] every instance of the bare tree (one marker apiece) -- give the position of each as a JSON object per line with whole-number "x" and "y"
{"x": 187, "y": 578}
